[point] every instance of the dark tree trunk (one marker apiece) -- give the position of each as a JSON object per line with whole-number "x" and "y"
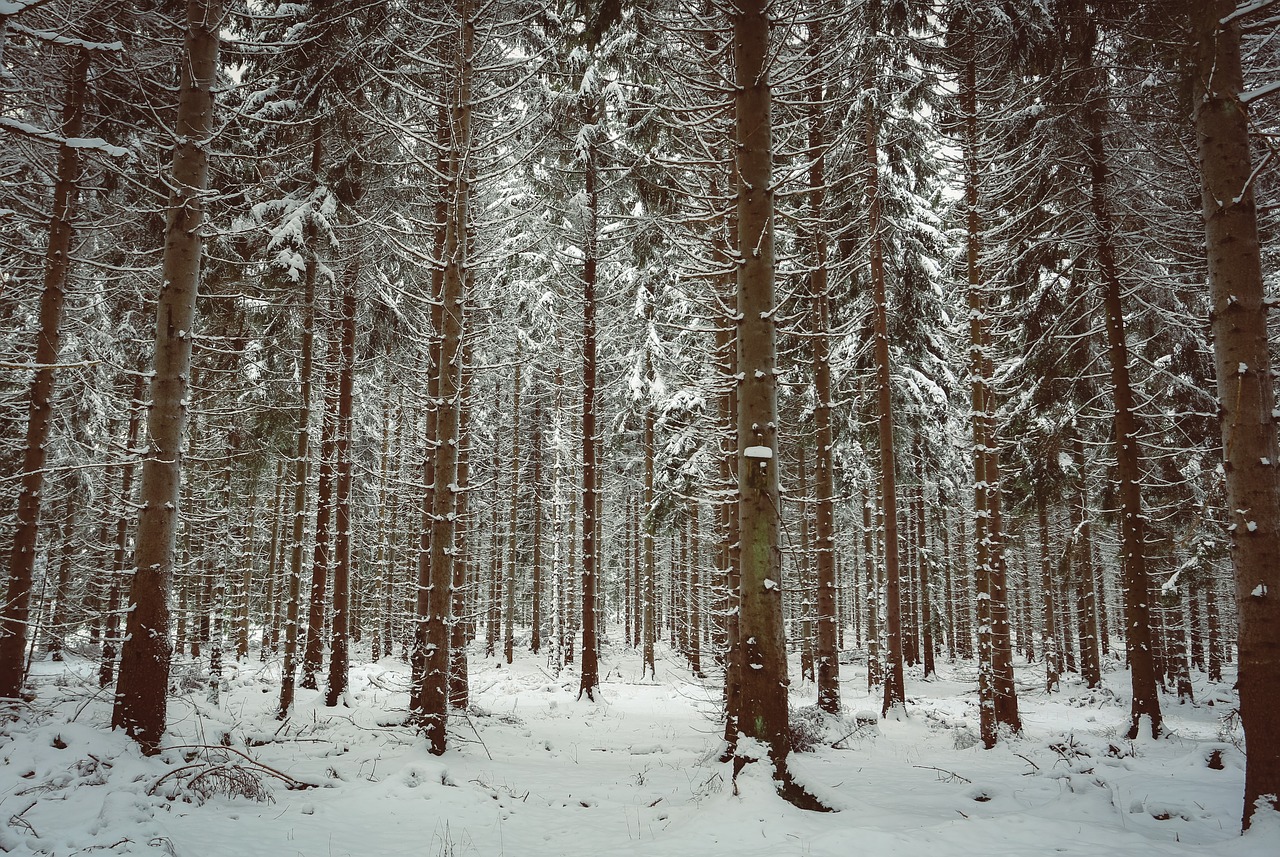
{"x": 535, "y": 621}
{"x": 591, "y": 446}
{"x": 16, "y": 608}
{"x": 1146, "y": 699}
{"x": 302, "y": 457}
{"x": 762, "y": 713}
{"x": 141, "y": 690}
{"x": 895, "y": 694}
{"x": 339, "y": 632}
{"x": 997, "y": 700}
{"x": 120, "y": 555}
{"x": 430, "y": 701}
{"x": 926, "y": 570}
{"x": 322, "y": 553}
{"x": 1245, "y": 386}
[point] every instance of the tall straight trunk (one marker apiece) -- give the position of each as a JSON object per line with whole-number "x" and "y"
{"x": 628, "y": 570}
{"x": 55, "y": 636}
{"x": 762, "y": 712}
{"x": 513, "y": 540}
{"x": 120, "y": 554}
{"x": 650, "y": 587}
{"x": 1090, "y": 655}
{"x": 726, "y": 505}
{"x": 1049, "y": 623}
{"x": 340, "y": 619}
{"x": 382, "y": 582}
{"x": 1245, "y": 386}
{"x": 948, "y": 582}
{"x": 244, "y": 566}
{"x": 430, "y": 701}
{"x": 804, "y": 568}
{"x": 1195, "y": 613}
{"x": 322, "y": 552}
{"x": 1066, "y": 590}
{"x": 827, "y": 662}
{"x": 464, "y": 599}
{"x": 695, "y": 592}
{"x": 997, "y": 698}
{"x": 1215, "y": 630}
{"x": 16, "y": 608}
{"x": 493, "y": 611}
{"x": 875, "y": 674}
{"x": 1146, "y": 699}
{"x": 909, "y": 604}
{"x": 144, "y": 663}
{"x": 1100, "y": 587}
{"x": 535, "y": 642}
{"x": 271, "y": 589}
{"x": 730, "y": 502}
{"x": 926, "y": 571}
{"x": 302, "y": 455}
{"x": 895, "y": 694}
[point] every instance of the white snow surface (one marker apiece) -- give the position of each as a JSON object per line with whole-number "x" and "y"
{"x": 533, "y": 770}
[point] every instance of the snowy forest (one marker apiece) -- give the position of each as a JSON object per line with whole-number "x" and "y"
{"x": 685, "y": 427}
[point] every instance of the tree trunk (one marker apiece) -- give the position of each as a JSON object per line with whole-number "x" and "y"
{"x": 513, "y": 540}
{"x": 1049, "y": 629}
{"x": 339, "y": 632}
{"x": 535, "y": 642}
{"x": 271, "y": 631}
{"x": 58, "y": 615}
{"x": 1146, "y": 700}
{"x": 144, "y": 664}
{"x": 827, "y": 662}
{"x": 647, "y": 515}
{"x": 463, "y": 594}
{"x": 926, "y": 569}
{"x": 997, "y": 700}
{"x": 695, "y": 593}
{"x": 22, "y": 556}
{"x": 895, "y": 694}
{"x": 1090, "y": 655}
{"x": 435, "y": 596}
{"x": 1245, "y": 387}
{"x": 762, "y": 713}
{"x": 302, "y": 456}
{"x": 120, "y": 555}
{"x": 874, "y": 673}
{"x": 322, "y": 553}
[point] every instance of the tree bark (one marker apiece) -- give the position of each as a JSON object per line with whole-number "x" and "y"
{"x": 140, "y": 704}
{"x": 340, "y": 620}
{"x": 322, "y": 552}
{"x": 16, "y": 609}
{"x": 591, "y": 446}
{"x": 302, "y": 455}
{"x": 435, "y": 595}
{"x": 827, "y": 662}
{"x": 1245, "y": 387}
{"x": 895, "y": 693}
{"x": 997, "y": 700}
{"x": 762, "y": 713}
{"x": 1146, "y": 700}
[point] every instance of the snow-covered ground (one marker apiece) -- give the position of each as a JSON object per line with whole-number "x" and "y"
{"x": 535, "y": 771}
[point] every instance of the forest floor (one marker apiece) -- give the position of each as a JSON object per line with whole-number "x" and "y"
{"x": 533, "y": 770}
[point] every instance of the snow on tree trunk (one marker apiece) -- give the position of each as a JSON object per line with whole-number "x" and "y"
{"x": 22, "y": 555}
{"x": 762, "y": 713}
{"x": 141, "y": 690}
{"x": 1245, "y": 386}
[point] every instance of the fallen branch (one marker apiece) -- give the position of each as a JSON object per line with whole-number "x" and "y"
{"x": 951, "y": 774}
